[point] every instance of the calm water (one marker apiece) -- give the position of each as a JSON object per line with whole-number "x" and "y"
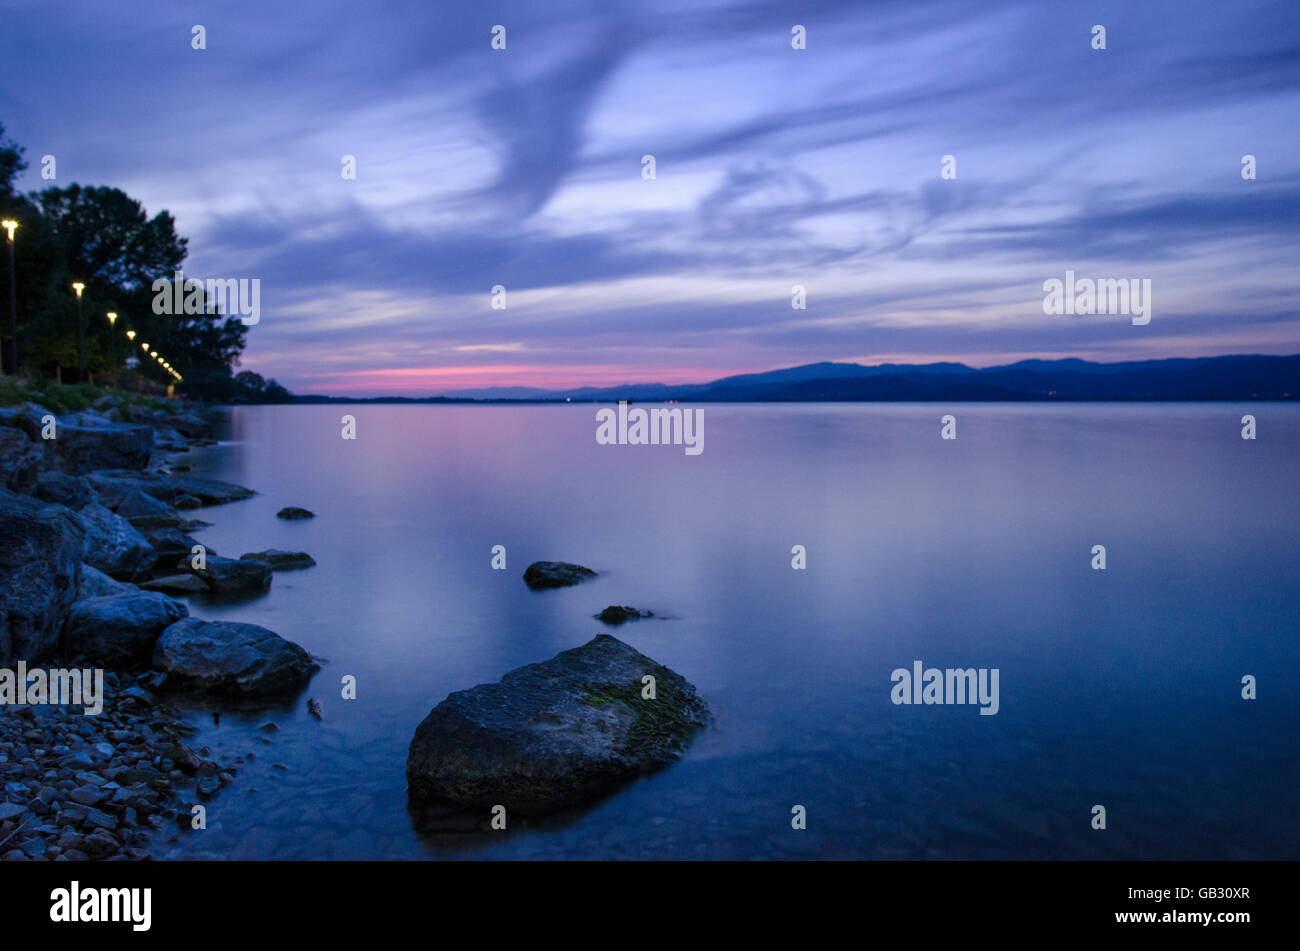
{"x": 1119, "y": 687}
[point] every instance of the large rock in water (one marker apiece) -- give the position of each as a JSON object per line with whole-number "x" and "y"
{"x": 40, "y": 558}
{"x": 226, "y": 657}
{"x": 113, "y": 545}
{"x": 119, "y": 628}
{"x": 85, "y": 443}
{"x": 554, "y": 734}
{"x": 555, "y": 574}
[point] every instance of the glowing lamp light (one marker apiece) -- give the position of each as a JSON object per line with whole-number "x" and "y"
{"x": 78, "y": 287}
{"x": 112, "y": 318}
{"x": 130, "y": 335}
{"x": 9, "y": 225}
{"x": 144, "y": 347}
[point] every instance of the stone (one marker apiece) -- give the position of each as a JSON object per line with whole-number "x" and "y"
{"x": 294, "y": 513}
{"x": 615, "y": 615}
{"x": 555, "y": 574}
{"x": 554, "y": 734}
{"x": 84, "y": 443}
{"x": 93, "y": 583}
{"x": 225, "y": 656}
{"x": 231, "y": 576}
{"x": 73, "y": 491}
{"x": 41, "y": 548}
{"x": 177, "y": 584}
{"x": 21, "y": 459}
{"x": 280, "y": 560}
{"x": 113, "y": 545}
{"x": 118, "y": 628}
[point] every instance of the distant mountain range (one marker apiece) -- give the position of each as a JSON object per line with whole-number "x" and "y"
{"x": 1202, "y": 378}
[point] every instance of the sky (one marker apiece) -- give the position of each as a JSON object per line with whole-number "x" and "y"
{"x": 773, "y": 167}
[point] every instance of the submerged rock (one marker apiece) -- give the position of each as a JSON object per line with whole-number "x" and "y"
{"x": 554, "y": 734}
{"x": 615, "y": 615}
{"x": 293, "y": 513}
{"x": 227, "y": 657}
{"x": 280, "y": 560}
{"x": 118, "y": 628}
{"x": 555, "y": 574}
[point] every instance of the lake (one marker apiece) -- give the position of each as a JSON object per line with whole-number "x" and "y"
{"x": 1119, "y": 687}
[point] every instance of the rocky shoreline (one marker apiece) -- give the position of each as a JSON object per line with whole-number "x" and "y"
{"x": 95, "y": 510}
{"x": 92, "y": 536}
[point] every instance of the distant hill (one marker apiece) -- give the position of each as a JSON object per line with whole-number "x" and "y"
{"x": 1203, "y": 378}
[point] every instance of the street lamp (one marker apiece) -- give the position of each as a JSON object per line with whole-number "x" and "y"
{"x": 112, "y": 341}
{"x": 11, "y": 226}
{"x": 79, "y": 287}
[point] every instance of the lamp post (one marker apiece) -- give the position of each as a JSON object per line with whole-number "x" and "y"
{"x": 79, "y": 287}
{"x": 112, "y": 342}
{"x": 11, "y": 226}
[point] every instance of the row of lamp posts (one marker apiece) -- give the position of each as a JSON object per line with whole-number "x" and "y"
{"x": 11, "y": 226}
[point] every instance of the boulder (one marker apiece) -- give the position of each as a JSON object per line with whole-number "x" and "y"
{"x": 280, "y": 560}
{"x": 555, "y": 574}
{"x": 210, "y": 491}
{"x": 169, "y": 440}
{"x": 171, "y": 543}
{"x": 86, "y": 442}
{"x": 615, "y": 614}
{"x": 554, "y": 734}
{"x": 177, "y": 584}
{"x": 113, "y": 545}
{"x": 21, "y": 459}
{"x": 118, "y": 628}
{"x": 143, "y": 510}
{"x": 73, "y": 491}
{"x": 227, "y": 657}
{"x": 93, "y": 583}
{"x": 31, "y": 418}
{"x": 190, "y": 425}
{"x": 41, "y": 547}
{"x": 167, "y": 488}
{"x": 231, "y": 576}
{"x": 293, "y": 513}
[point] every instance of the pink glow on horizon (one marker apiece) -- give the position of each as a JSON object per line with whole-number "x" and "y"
{"x": 429, "y": 380}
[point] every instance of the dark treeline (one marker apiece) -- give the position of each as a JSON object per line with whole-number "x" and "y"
{"x": 103, "y": 238}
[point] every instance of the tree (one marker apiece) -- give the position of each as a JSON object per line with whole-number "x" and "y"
{"x": 11, "y": 163}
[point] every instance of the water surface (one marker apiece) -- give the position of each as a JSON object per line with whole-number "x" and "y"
{"x": 1118, "y": 687}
